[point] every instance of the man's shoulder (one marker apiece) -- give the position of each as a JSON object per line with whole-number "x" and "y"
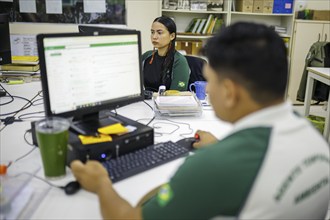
{"x": 254, "y": 136}
{"x": 236, "y": 148}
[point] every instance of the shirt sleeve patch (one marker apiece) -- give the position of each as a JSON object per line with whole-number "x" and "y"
{"x": 181, "y": 84}
{"x": 165, "y": 195}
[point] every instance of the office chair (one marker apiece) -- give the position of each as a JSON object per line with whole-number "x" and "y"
{"x": 196, "y": 68}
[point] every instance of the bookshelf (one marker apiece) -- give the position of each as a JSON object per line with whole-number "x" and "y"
{"x": 230, "y": 15}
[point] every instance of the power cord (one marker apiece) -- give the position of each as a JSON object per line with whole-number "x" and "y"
{"x": 39, "y": 178}
{"x": 11, "y": 119}
{"x": 21, "y": 117}
{"x": 26, "y": 132}
{"x": 34, "y": 102}
{"x": 162, "y": 133}
{"x": 21, "y": 157}
{"x": 69, "y": 189}
{"x": 175, "y": 123}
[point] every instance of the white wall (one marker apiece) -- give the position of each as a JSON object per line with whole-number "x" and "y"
{"x": 314, "y": 4}
{"x": 140, "y": 14}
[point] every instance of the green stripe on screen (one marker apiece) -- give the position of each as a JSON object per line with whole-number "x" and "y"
{"x": 55, "y": 48}
{"x": 114, "y": 44}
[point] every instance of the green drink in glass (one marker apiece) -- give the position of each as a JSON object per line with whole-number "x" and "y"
{"x": 52, "y": 136}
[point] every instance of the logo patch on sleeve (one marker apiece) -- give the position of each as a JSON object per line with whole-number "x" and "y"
{"x": 181, "y": 84}
{"x": 165, "y": 195}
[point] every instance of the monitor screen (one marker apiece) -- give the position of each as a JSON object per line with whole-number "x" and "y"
{"x": 84, "y": 74}
{"x": 5, "y": 53}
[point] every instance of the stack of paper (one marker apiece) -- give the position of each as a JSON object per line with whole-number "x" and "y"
{"x": 21, "y": 65}
{"x": 177, "y": 105}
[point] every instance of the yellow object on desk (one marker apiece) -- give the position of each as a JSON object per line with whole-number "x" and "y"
{"x": 14, "y": 82}
{"x": 172, "y": 92}
{"x": 94, "y": 139}
{"x": 113, "y": 129}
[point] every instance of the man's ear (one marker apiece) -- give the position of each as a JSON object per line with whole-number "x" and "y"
{"x": 231, "y": 93}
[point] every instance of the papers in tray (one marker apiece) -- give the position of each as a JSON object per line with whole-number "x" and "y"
{"x": 177, "y": 105}
{"x": 176, "y": 101}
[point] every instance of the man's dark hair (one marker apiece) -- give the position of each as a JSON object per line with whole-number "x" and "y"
{"x": 252, "y": 55}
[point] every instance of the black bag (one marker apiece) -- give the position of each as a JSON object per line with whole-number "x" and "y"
{"x": 318, "y": 56}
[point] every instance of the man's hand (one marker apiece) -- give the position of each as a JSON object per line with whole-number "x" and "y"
{"x": 92, "y": 175}
{"x": 205, "y": 138}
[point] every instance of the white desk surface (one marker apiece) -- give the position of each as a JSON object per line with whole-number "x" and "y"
{"x": 85, "y": 205}
{"x": 321, "y": 71}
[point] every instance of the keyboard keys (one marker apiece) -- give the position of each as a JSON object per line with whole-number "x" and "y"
{"x": 143, "y": 159}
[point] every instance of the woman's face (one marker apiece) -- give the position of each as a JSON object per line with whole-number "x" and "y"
{"x": 160, "y": 36}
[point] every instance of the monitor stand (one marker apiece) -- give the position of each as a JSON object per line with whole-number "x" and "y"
{"x": 88, "y": 124}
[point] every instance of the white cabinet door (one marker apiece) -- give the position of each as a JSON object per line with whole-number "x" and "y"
{"x": 326, "y": 32}
{"x": 305, "y": 34}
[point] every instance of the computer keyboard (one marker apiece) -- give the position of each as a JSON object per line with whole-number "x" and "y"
{"x": 143, "y": 159}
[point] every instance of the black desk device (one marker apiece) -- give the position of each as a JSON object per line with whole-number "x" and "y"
{"x": 141, "y": 137}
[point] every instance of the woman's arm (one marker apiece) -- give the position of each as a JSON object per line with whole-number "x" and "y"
{"x": 181, "y": 73}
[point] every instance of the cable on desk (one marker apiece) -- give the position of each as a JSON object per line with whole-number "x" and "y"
{"x": 27, "y": 105}
{"x": 150, "y": 120}
{"x": 12, "y": 98}
{"x": 21, "y": 109}
{"x": 32, "y": 113}
{"x": 183, "y": 123}
{"x": 153, "y": 118}
{"x": 148, "y": 105}
{"x": 39, "y": 178}
{"x": 156, "y": 127}
{"x": 23, "y": 156}
{"x": 33, "y": 103}
{"x": 24, "y": 136}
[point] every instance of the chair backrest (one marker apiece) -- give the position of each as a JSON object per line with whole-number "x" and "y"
{"x": 196, "y": 68}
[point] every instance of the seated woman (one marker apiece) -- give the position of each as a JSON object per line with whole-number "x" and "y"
{"x": 164, "y": 66}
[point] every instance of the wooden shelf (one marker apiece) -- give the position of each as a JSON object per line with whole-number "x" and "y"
{"x": 192, "y": 36}
{"x": 259, "y": 14}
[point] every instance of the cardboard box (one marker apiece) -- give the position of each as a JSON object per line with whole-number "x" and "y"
{"x": 268, "y": 6}
{"x": 187, "y": 46}
{"x": 244, "y": 5}
{"x": 196, "y": 46}
{"x": 322, "y": 15}
{"x": 258, "y": 6}
{"x": 191, "y": 47}
{"x": 177, "y": 45}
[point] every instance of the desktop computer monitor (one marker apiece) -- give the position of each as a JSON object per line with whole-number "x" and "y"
{"x": 101, "y": 29}
{"x": 5, "y": 53}
{"x": 83, "y": 74}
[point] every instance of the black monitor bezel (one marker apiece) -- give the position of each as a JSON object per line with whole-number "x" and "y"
{"x": 101, "y": 29}
{"x": 78, "y": 113}
{"x": 5, "y": 47}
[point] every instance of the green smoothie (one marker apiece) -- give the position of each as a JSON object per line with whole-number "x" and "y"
{"x": 52, "y": 137}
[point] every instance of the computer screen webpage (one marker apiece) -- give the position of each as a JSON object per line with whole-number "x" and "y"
{"x": 86, "y": 71}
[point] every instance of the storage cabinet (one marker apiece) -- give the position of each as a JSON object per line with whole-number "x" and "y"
{"x": 305, "y": 34}
{"x": 230, "y": 15}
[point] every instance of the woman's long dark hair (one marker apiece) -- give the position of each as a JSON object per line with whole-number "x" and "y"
{"x": 169, "y": 57}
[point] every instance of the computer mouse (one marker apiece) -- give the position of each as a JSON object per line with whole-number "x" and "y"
{"x": 72, "y": 187}
{"x": 187, "y": 143}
